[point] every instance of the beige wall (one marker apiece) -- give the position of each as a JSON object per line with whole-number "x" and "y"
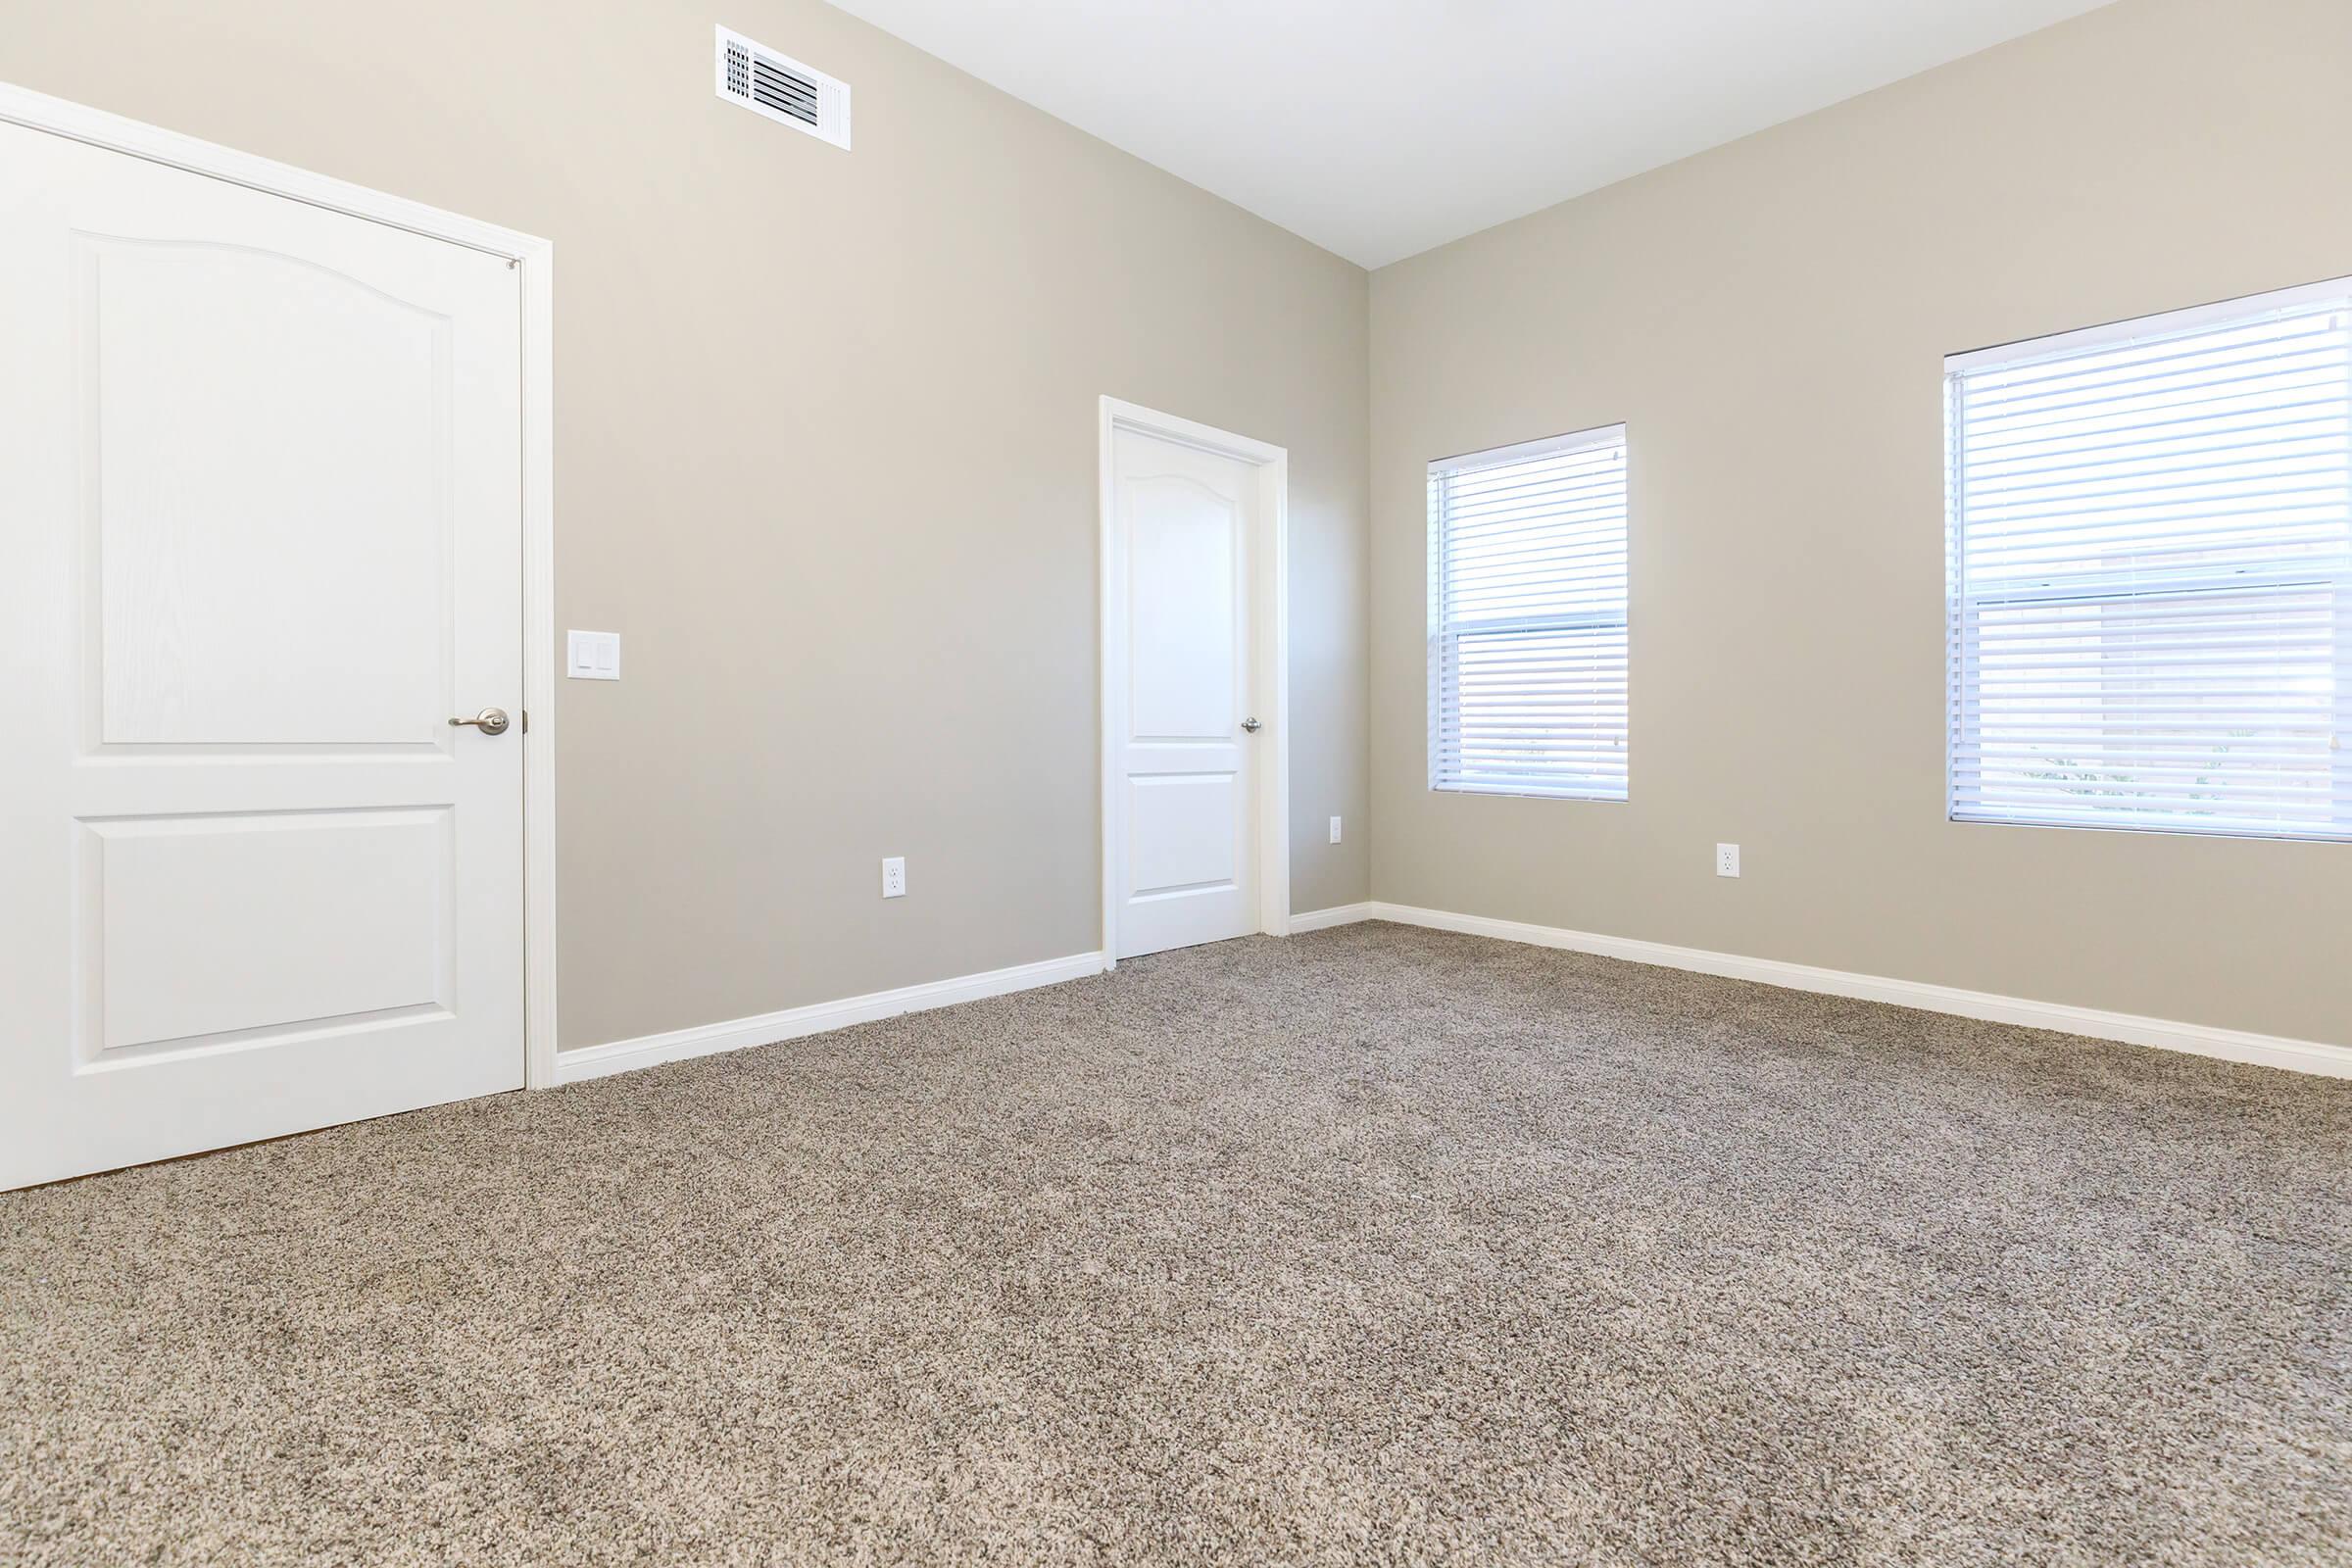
{"x": 825, "y": 457}
{"x": 1770, "y": 319}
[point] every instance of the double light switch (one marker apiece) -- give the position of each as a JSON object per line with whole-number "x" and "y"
{"x": 593, "y": 655}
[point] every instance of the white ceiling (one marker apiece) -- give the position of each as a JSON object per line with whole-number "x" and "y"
{"x": 1378, "y": 128}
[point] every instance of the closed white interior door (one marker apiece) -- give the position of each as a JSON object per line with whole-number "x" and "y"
{"x": 261, "y": 466}
{"x": 1184, "y": 533}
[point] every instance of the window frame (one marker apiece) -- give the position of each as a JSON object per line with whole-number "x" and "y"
{"x": 2335, "y": 577}
{"x": 1442, "y": 633}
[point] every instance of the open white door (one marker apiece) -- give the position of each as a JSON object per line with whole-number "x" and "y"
{"x": 1191, "y": 661}
{"x": 261, "y": 466}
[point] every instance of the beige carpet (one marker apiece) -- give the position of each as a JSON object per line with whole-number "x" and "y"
{"x": 1375, "y": 1246}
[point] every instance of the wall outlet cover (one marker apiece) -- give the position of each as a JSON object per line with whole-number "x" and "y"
{"x": 894, "y": 877}
{"x": 1335, "y": 830}
{"x": 1726, "y": 860}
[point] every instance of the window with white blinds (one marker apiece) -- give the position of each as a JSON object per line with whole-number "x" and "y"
{"x": 2151, "y": 573}
{"x": 1526, "y": 628}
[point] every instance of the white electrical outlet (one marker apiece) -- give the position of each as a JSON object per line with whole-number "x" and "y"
{"x": 894, "y": 877}
{"x": 1726, "y": 860}
{"x": 1335, "y": 830}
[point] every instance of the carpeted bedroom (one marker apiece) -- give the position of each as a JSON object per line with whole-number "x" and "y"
{"x": 1141, "y": 784}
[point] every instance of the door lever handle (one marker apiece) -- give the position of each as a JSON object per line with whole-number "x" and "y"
{"x": 490, "y": 722}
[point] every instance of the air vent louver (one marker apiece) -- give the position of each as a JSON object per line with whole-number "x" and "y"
{"x": 782, "y": 88}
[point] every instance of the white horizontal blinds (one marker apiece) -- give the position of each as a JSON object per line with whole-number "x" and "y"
{"x": 2152, "y": 576}
{"x": 1527, "y": 620}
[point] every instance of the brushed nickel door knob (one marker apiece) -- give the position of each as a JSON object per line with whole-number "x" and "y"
{"x": 490, "y": 722}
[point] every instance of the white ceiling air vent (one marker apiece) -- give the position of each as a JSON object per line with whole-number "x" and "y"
{"x": 782, "y": 88}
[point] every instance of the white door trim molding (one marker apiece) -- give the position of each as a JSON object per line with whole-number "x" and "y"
{"x": 533, "y": 260}
{"x": 1273, "y": 649}
{"x": 2195, "y": 1039}
{"x": 769, "y": 1028}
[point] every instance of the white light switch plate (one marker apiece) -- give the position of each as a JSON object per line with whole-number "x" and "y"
{"x": 592, "y": 655}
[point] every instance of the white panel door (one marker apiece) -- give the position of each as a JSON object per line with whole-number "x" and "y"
{"x": 260, "y": 510}
{"x": 1183, "y": 530}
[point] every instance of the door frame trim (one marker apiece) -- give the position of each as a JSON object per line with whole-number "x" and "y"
{"x": 1270, "y": 598}
{"x": 533, "y": 260}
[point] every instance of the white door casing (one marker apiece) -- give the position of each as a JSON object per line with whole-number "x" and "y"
{"x": 262, "y": 465}
{"x": 1194, "y": 756}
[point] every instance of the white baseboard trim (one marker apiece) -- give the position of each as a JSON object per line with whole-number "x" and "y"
{"x": 627, "y": 1055}
{"x": 2230, "y": 1044}
{"x": 1324, "y": 920}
